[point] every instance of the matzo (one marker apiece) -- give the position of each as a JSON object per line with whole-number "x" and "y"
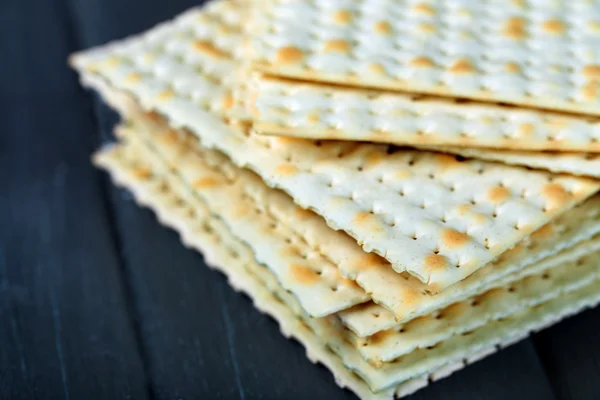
{"x": 369, "y": 318}
{"x": 473, "y": 313}
{"x": 465, "y": 316}
{"x": 480, "y": 342}
{"x": 404, "y": 296}
{"x": 222, "y": 251}
{"x": 585, "y": 164}
{"x": 191, "y": 55}
{"x": 314, "y": 231}
{"x": 317, "y": 112}
{"x": 280, "y": 107}
{"x": 532, "y": 53}
{"x": 313, "y": 279}
{"x": 227, "y": 254}
{"x": 516, "y": 327}
{"x": 383, "y": 200}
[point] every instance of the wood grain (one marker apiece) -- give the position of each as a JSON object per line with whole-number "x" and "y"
{"x": 65, "y": 328}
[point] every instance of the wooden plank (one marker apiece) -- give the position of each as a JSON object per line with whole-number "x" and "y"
{"x": 65, "y": 330}
{"x": 204, "y": 340}
{"x": 99, "y": 21}
{"x": 570, "y": 352}
{"x": 512, "y": 373}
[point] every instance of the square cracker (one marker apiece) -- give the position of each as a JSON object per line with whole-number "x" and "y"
{"x": 475, "y": 312}
{"x": 450, "y": 355}
{"x": 369, "y": 318}
{"x": 530, "y": 53}
{"x": 319, "y": 112}
{"x": 210, "y": 178}
{"x": 298, "y": 109}
{"x": 537, "y": 287}
{"x": 557, "y": 276}
{"x": 584, "y": 164}
{"x": 322, "y": 247}
{"x": 222, "y": 251}
{"x": 383, "y": 200}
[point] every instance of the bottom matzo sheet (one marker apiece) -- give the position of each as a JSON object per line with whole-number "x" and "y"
{"x": 192, "y": 224}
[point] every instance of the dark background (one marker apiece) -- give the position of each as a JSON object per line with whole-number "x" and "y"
{"x": 98, "y": 301}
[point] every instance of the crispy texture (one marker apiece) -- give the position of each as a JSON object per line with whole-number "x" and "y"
{"x": 303, "y": 110}
{"x": 405, "y": 297}
{"x": 557, "y": 276}
{"x": 495, "y": 304}
{"x": 206, "y": 39}
{"x": 369, "y": 318}
{"x": 381, "y": 204}
{"x": 554, "y": 190}
{"x": 584, "y": 164}
{"x": 209, "y": 176}
{"x": 445, "y": 357}
{"x": 490, "y": 60}
{"x": 229, "y": 255}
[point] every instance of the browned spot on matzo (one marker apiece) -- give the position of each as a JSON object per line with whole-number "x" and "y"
{"x": 462, "y": 66}
{"x": 336, "y": 45}
{"x": 228, "y": 101}
{"x": 342, "y": 17}
{"x": 303, "y": 275}
{"x": 142, "y": 173}
{"x": 208, "y": 48}
{"x": 206, "y": 182}
{"x": 376, "y": 68}
{"x": 373, "y": 159}
{"x": 556, "y": 195}
{"x": 383, "y": 28}
{"x": 498, "y": 194}
{"x": 453, "y": 238}
{"x": 423, "y": 8}
{"x": 286, "y": 170}
{"x": 289, "y": 55}
{"x": 553, "y": 26}
{"x": 512, "y": 67}
{"x": 422, "y": 62}
{"x": 515, "y": 28}
{"x": 544, "y": 232}
{"x": 435, "y": 262}
{"x": 591, "y": 71}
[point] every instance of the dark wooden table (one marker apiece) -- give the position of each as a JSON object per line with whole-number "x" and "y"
{"x": 97, "y": 300}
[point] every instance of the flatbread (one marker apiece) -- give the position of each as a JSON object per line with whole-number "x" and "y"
{"x": 403, "y": 296}
{"x": 476, "y": 341}
{"x": 495, "y": 304}
{"x": 310, "y": 276}
{"x": 529, "y": 53}
{"x": 369, "y": 318}
{"x": 584, "y": 164}
{"x": 383, "y": 200}
{"x": 225, "y": 253}
{"x": 304, "y": 110}
{"x": 555, "y": 277}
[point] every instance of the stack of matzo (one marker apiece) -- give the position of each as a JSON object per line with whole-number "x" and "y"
{"x": 393, "y": 266}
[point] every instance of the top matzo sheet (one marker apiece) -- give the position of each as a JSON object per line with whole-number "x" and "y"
{"x": 436, "y": 217}
{"x": 542, "y": 54}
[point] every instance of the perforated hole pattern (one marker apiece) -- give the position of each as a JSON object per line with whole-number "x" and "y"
{"x": 537, "y": 52}
{"x": 305, "y": 170}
